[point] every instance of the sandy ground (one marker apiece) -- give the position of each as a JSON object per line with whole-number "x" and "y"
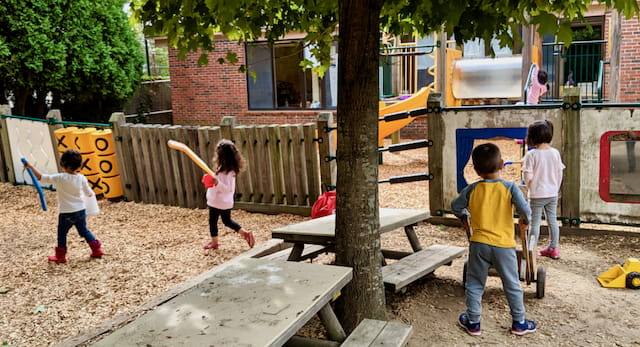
{"x": 152, "y": 248}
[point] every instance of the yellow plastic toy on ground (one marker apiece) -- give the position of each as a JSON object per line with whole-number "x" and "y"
{"x": 627, "y": 275}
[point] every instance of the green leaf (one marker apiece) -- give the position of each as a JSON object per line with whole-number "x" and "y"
{"x": 442, "y": 227}
{"x": 232, "y": 57}
{"x": 565, "y": 34}
{"x": 39, "y": 308}
{"x": 253, "y": 75}
{"x": 5, "y": 290}
{"x": 203, "y": 60}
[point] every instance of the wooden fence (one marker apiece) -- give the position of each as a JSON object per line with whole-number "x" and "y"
{"x": 284, "y": 171}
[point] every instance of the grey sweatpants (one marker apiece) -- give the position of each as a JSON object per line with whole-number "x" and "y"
{"x": 549, "y": 206}
{"x": 481, "y": 257}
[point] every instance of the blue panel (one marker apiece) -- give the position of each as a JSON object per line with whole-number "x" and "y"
{"x": 464, "y": 145}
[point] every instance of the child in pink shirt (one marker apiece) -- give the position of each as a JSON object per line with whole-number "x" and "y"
{"x": 538, "y": 86}
{"x": 221, "y": 190}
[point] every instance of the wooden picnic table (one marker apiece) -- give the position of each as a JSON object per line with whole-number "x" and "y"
{"x": 254, "y": 302}
{"x": 315, "y": 236}
{"x": 321, "y": 231}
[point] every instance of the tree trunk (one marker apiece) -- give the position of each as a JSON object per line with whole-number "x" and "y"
{"x": 20, "y": 105}
{"x": 41, "y": 104}
{"x": 3, "y": 95}
{"x": 357, "y": 223}
{"x": 56, "y": 103}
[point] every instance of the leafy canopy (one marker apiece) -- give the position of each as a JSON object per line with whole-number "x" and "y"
{"x": 75, "y": 48}
{"x": 190, "y": 25}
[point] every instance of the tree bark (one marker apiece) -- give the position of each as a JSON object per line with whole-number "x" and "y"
{"x": 41, "y": 104}
{"x": 3, "y": 95}
{"x": 20, "y": 105}
{"x": 357, "y": 215}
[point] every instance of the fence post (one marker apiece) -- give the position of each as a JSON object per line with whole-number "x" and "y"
{"x": 56, "y": 116}
{"x": 226, "y": 126}
{"x": 7, "y": 174}
{"x": 570, "y": 201}
{"x": 312, "y": 161}
{"x": 327, "y": 151}
{"x": 125, "y": 157}
{"x": 435, "y": 126}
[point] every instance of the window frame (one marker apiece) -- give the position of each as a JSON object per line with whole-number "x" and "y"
{"x": 304, "y": 80}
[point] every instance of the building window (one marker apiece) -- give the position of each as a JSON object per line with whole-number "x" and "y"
{"x": 275, "y": 80}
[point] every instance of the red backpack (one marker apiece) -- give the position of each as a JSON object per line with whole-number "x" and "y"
{"x": 325, "y": 205}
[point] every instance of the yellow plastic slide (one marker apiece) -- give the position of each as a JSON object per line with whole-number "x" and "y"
{"x": 417, "y": 100}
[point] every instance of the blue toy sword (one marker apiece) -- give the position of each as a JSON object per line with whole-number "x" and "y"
{"x": 36, "y": 184}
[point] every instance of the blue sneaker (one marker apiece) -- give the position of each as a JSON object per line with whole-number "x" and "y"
{"x": 523, "y": 328}
{"x": 471, "y": 328}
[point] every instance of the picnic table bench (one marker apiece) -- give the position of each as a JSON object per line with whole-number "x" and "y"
{"x": 253, "y": 302}
{"x": 371, "y": 332}
{"x": 408, "y": 267}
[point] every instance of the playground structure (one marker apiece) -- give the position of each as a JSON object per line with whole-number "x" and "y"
{"x": 388, "y": 126}
{"x": 471, "y": 81}
{"x": 578, "y": 131}
{"x": 290, "y": 165}
{"x": 487, "y": 78}
{"x": 36, "y": 141}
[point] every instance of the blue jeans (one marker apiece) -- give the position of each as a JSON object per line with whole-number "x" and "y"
{"x": 77, "y": 219}
{"x": 549, "y": 205}
{"x": 481, "y": 257}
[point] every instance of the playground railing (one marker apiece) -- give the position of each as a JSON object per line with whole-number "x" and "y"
{"x": 577, "y": 65}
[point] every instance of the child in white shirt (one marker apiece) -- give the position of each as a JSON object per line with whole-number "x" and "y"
{"x": 542, "y": 172}
{"x": 70, "y": 186}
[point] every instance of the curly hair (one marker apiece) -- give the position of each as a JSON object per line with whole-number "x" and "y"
{"x": 228, "y": 158}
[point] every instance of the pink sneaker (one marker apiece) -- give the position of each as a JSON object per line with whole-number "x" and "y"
{"x": 248, "y": 236}
{"x": 211, "y": 245}
{"x": 552, "y": 253}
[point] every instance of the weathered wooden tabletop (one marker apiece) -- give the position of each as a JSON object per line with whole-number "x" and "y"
{"x": 322, "y": 230}
{"x": 254, "y": 302}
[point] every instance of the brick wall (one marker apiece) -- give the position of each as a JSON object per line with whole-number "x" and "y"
{"x": 629, "y": 71}
{"x": 630, "y": 61}
{"x": 203, "y": 95}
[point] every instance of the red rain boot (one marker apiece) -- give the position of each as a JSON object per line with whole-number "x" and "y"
{"x": 96, "y": 251}
{"x": 60, "y": 256}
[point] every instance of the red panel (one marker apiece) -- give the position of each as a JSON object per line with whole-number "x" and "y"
{"x": 605, "y": 165}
